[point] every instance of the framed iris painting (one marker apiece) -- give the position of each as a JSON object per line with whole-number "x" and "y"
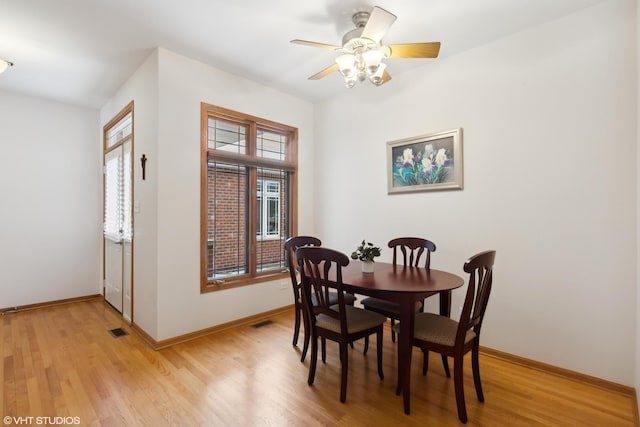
{"x": 425, "y": 163}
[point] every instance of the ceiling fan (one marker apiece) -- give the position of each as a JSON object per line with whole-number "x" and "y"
{"x": 363, "y": 52}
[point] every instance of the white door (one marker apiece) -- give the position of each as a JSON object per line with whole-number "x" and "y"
{"x": 118, "y": 232}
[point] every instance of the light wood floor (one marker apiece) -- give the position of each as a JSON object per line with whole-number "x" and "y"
{"x": 62, "y": 361}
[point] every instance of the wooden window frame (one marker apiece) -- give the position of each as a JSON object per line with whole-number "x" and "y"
{"x": 250, "y": 159}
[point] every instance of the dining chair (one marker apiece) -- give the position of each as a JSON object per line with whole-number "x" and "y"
{"x": 433, "y": 332}
{"x": 290, "y": 247}
{"x": 412, "y": 249}
{"x": 321, "y": 272}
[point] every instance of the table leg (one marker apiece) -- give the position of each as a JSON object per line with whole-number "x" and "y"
{"x": 405, "y": 343}
{"x": 445, "y": 310}
{"x": 445, "y": 303}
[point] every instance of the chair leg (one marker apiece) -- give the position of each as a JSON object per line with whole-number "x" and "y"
{"x": 379, "y": 348}
{"x": 296, "y": 327}
{"x": 314, "y": 359}
{"x": 344, "y": 361}
{"x": 393, "y": 334}
{"x": 366, "y": 345}
{"x": 445, "y": 365}
{"x": 398, "y": 389}
{"x": 305, "y": 347}
{"x": 324, "y": 349}
{"x": 458, "y": 382}
{"x": 425, "y": 361}
{"x": 307, "y": 337}
{"x": 475, "y": 363}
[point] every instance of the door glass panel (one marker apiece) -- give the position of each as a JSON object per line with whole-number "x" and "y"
{"x": 113, "y": 195}
{"x": 117, "y": 194}
{"x": 127, "y": 196}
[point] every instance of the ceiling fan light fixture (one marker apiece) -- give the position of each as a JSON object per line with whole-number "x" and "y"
{"x": 347, "y": 65}
{"x": 351, "y": 81}
{"x": 372, "y": 60}
{"x": 4, "y": 64}
{"x": 376, "y": 78}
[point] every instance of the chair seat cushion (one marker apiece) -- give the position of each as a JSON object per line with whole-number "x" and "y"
{"x": 436, "y": 329}
{"x": 386, "y": 306}
{"x": 357, "y": 320}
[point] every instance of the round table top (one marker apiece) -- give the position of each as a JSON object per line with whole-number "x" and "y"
{"x": 392, "y": 278}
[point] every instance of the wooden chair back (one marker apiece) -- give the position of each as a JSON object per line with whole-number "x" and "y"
{"x": 290, "y": 247}
{"x": 320, "y": 271}
{"x": 480, "y": 269}
{"x": 412, "y": 249}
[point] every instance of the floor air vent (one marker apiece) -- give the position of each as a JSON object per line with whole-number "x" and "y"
{"x": 261, "y": 324}
{"x": 118, "y": 332}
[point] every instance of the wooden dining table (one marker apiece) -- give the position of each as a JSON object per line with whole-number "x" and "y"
{"x": 404, "y": 285}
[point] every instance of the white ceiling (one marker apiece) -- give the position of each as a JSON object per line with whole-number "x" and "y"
{"x": 81, "y": 51}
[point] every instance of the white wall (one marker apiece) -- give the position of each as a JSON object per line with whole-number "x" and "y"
{"x": 637, "y": 358}
{"x": 549, "y": 119}
{"x": 50, "y": 219}
{"x": 167, "y": 91}
{"x": 142, "y": 88}
{"x": 183, "y": 85}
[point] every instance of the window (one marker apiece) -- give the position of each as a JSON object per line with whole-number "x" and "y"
{"x": 248, "y": 204}
{"x": 268, "y": 210}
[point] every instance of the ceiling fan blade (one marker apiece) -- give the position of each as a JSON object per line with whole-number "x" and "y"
{"x": 330, "y": 69}
{"x": 378, "y": 24}
{"x": 315, "y": 44}
{"x": 385, "y": 78}
{"x": 415, "y": 50}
